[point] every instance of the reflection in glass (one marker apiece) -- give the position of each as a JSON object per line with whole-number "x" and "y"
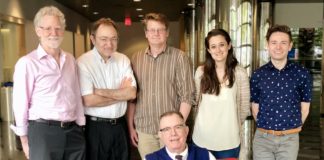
{"x": 241, "y": 30}
{"x": 263, "y": 28}
{"x": 246, "y": 33}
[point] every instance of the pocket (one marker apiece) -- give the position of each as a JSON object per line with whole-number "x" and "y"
{"x": 258, "y": 134}
{"x": 293, "y": 137}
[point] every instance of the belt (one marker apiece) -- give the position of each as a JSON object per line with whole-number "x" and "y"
{"x": 54, "y": 123}
{"x": 281, "y": 133}
{"x": 112, "y": 121}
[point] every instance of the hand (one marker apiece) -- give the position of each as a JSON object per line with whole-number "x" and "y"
{"x": 24, "y": 143}
{"x": 126, "y": 82}
{"x": 133, "y": 136}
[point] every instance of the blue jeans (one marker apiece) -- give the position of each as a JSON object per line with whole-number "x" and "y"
{"x": 271, "y": 147}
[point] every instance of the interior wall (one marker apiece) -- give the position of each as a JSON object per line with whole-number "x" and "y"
{"x": 30, "y": 36}
{"x": 299, "y": 15}
{"x": 26, "y": 9}
{"x": 11, "y": 49}
{"x": 79, "y": 45}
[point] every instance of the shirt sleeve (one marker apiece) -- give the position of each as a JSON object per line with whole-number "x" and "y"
{"x": 306, "y": 86}
{"x": 80, "y": 110}
{"x": 199, "y": 72}
{"x": 244, "y": 98}
{"x": 254, "y": 88}
{"x": 22, "y": 91}
{"x": 85, "y": 80}
{"x": 184, "y": 80}
{"x": 128, "y": 72}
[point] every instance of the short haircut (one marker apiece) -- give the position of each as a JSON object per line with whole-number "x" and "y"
{"x": 170, "y": 113}
{"x": 279, "y": 28}
{"x": 102, "y": 21}
{"x": 49, "y": 11}
{"x": 156, "y": 17}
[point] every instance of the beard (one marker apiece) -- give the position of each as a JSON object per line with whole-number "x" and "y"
{"x": 52, "y": 42}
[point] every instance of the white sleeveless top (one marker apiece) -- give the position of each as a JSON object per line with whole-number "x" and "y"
{"x": 216, "y": 125}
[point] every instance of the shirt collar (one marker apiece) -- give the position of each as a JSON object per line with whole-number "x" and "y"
{"x": 148, "y": 51}
{"x": 97, "y": 54}
{"x": 41, "y": 53}
{"x": 172, "y": 155}
{"x": 287, "y": 66}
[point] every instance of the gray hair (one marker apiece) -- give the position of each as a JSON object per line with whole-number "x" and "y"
{"x": 170, "y": 113}
{"x": 49, "y": 11}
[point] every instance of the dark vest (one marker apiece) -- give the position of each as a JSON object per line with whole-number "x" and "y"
{"x": 194, "y": 153}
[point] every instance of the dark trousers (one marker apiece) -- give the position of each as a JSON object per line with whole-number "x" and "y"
{"x": 52, "y": 142}
{"x": 106, "y": 141}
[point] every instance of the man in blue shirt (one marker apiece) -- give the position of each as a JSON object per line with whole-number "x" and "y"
{"x": 280, "y": 95}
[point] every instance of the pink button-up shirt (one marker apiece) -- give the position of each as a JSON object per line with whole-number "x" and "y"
{"x": 43, "y": 89}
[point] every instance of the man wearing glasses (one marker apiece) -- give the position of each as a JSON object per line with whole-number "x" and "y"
{"x": 173, "y": 133}
{"x": 107, "y": 82}
{"x": 46, "y": 98}
{"x": 165, "y": 83}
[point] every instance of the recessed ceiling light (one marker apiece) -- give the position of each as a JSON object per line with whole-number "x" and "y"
{"x": 85, "y": 5}
{"x": 190, "y": 4}
{"x": 137, "y": 0}
{"x": 95, "y": 13}
{"x": 139, "y": 9}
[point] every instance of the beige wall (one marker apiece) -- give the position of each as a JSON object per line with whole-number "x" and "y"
{"x": 26, "y": 9}
{"x": 297, "y": 15}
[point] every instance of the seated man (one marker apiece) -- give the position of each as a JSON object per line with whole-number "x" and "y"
{"x": 173, "y": 133}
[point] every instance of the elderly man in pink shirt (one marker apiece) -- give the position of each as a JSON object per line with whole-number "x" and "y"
{"x": 46, "y": 95}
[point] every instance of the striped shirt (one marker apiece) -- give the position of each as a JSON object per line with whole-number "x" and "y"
{"x": 163, "y": 83}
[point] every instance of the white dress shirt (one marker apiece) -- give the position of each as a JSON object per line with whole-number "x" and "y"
{"x": 95, "y": 73}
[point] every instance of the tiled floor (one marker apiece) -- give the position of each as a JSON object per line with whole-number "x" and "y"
{"x": 310, "y": 139}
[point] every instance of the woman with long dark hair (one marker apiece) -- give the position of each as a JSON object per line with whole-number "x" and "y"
{"x": 223, "y": 98}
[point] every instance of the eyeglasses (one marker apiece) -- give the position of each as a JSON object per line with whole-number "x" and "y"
{"x": 176, "y": 128}
{"x": 50, "y": 29}
{"x": 160, "y": 30}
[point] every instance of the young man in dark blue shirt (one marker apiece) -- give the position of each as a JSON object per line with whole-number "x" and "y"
{"x": 280, "y": 95}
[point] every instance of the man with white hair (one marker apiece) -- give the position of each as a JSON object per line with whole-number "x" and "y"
{"x": 46, "y": 99}
{"x": 173, "y": 133}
